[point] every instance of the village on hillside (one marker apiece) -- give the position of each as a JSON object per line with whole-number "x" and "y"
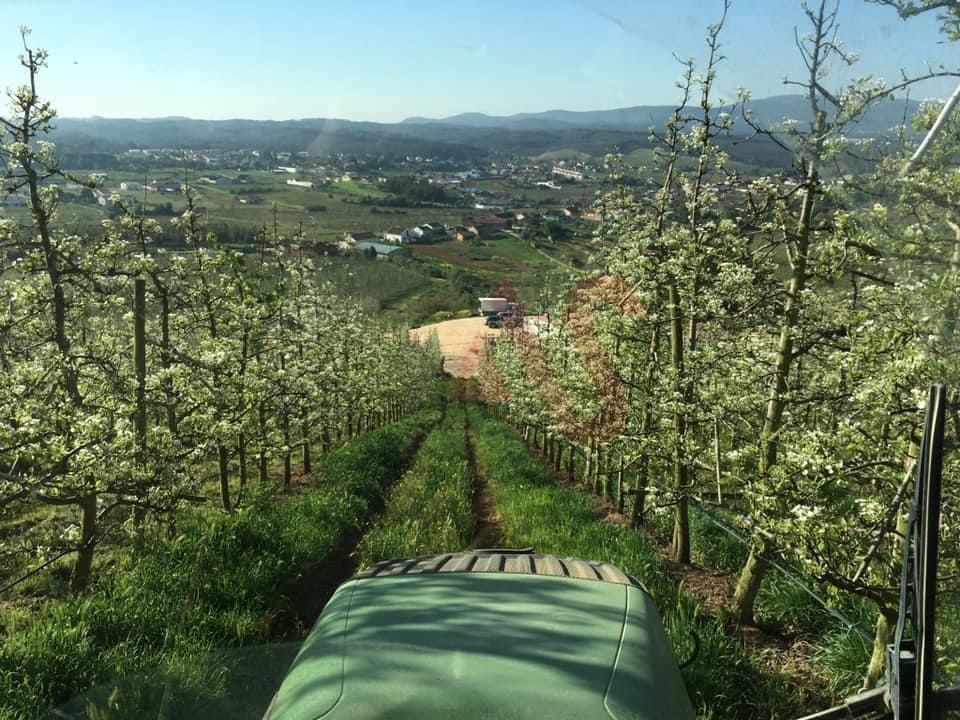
{"x": 477, "y": 227}
{"x": 340, "y": 204}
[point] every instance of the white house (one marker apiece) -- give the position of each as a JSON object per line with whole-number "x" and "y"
{"x": 567, "y": 172}
{"x": 399, "y": 235}
{"x": 357, "y": 237}
{"x": 300, "y": 183}
{"x": 168, "y": 185}
{"x": 431, "y": 230}
{"x": 422, "y": 232}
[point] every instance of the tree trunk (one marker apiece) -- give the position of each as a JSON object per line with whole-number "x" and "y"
{"x": 242, "y": 458}
{"x": 886, "y": 623}
{"x": 287, "y": 455}
{"x": 716, "y": 460}
{"x": 887, "y": 618}
{"x": 681, "y": 525}
{"x": 167, "y": 360}
{"x": 262, "y": 455}
{"x": 621, "y": 477}
{"x": 601, "y": 477}
{"x": 588, "y": 463}
{"x": 637, "y": 514}
{"x": 745, "y": 596}
{"x": 262, "y": 475}
{"x": 681, "y": 534}
{"x": 307, "y": 461}
{"x": 951, "y": 311}
{"x": 223, "y": 467}
{"x": 140, "y": 365}
{"x": 80, "y": 576}
{"x": 753, "y": 571}
{"x": 287, "y": 470}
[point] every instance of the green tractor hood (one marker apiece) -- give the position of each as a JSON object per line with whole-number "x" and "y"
{"x": 486, "y": 635}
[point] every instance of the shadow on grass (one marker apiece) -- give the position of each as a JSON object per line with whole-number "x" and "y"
{"x": 237, "y": 683}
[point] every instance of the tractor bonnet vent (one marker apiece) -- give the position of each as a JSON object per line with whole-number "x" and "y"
{"x": 507, "y": 561}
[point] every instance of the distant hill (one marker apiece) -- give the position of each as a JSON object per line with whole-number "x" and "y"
{"x": 176, "y": 132}
{"x": 766, "y": 112}
{"x": 460, "y": 137}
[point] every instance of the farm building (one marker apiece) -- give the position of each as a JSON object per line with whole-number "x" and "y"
{"x": 383, "y": 251}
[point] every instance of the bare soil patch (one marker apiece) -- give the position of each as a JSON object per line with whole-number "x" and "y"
{"x": 460, "y": 343}
{"x": 488, "y": 530}
{"x": 453, "y": 258}
{"x": 488, "y": 527}
{"x": 449, "y": 254}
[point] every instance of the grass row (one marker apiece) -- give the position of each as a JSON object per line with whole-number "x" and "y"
{"x": 782, "y": 605}
{"x": 222, "y": 581}
{"x": 843, "y": 646}
{"x": 724, "y": 681}
{"x": 429, "y": 510}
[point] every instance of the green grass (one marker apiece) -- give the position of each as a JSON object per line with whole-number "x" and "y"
{"x": 221, "y": 581}
{"x": 517, "y": 249}
{"x": 436, "y": 302}
{"x": 356, "y": 189}
{"x": 343, "y": 213}
{"x": 785, "y": 608}
{"x": 375, "y": 285}
{"x": 429, "y": 510}
{"x": 724, "y": 681}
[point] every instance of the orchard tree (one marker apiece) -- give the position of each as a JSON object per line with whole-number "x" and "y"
{"x": 814, "y": 242}
{"x": 67, "y": 427}
{"x": 692, "y": 268}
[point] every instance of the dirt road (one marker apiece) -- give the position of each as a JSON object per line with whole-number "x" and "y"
{"x": 460, "y": 343}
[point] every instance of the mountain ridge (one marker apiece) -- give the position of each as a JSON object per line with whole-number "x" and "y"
{"x": 766, "y": 112}
{"x": 460, "y": 137}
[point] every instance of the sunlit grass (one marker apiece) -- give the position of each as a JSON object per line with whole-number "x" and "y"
{"x": 724, "y": 681}
{"x": 429, "y": 510}
{"x": 220, "y": 580}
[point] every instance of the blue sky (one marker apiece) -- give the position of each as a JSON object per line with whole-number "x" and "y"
{"x": 385, "y": 60}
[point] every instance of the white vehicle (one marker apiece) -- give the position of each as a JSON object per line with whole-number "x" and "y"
{"x": 493, "y": 305}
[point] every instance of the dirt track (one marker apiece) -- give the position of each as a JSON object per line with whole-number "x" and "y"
{"x": 460, "y": 343}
